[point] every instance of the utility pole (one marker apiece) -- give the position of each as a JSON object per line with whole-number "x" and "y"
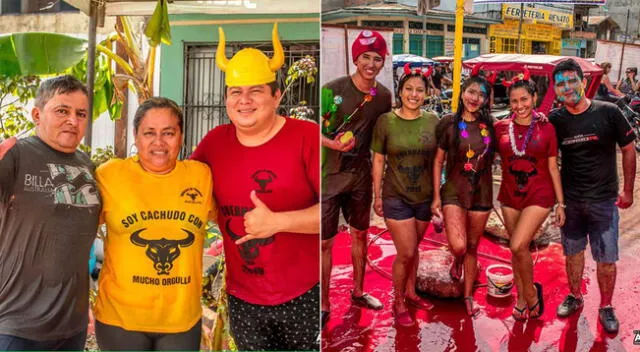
{"x": 624, "y": 43}
{"x": 519, "y": 46}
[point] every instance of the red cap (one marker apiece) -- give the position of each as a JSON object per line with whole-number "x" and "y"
{"x": 368, "y": 41}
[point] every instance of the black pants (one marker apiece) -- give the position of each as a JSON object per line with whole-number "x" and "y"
{"x": 291, "y": 326}
{"x": 115, "y": 338}
{"x": 14, "y": 343}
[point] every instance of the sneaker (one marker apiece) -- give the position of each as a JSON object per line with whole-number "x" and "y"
{"x": 570, "y": 305}
{"x": 608, "y": 319}
{"x": 367, "y": 301}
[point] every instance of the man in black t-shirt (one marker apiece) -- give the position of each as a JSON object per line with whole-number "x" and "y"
{"x": 588, "y": 132}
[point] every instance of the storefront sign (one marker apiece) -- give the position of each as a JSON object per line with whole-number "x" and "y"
{"x": 573, "y": 43}
{"x": 582, "y": 35}
{"x": 559, "y": 19}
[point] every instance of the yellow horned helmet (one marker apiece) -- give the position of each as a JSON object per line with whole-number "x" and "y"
{"x": 250, "y": 67}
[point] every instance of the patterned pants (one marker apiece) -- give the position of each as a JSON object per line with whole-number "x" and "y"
{"x": 291, "y": 326}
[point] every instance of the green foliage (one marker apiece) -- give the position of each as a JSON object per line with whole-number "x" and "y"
{"x": 103, "y": 89}
{"x": 99, "y": 156}
{"x": 34, "y": 53}
{"x": 15, "y": 92}
{"x": 158, "y": 29}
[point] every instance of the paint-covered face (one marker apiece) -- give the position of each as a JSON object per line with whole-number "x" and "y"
{"x": 569, "y": 87}
{"x": 522, "y": 102}
{"x": 413, "y": 93}
{"x": 474, "y": 97}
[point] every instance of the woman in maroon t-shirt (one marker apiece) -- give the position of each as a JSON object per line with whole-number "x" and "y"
{"x": 466, "y": 140}
{"x": 530, "y": 186}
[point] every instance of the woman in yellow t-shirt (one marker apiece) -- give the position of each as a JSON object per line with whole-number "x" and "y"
{"x": 156, "y": 209}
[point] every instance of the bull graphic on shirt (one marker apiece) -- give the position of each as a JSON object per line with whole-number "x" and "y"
{"x": 412, "y": 173}
{"x": 522, "y": 169}
{"x": 249, "y": 250}
{"x": 163, "y": 251}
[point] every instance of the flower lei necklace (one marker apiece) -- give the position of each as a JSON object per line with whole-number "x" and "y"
{"x": 527, "y": 137}
{"x": 486, "y": 139}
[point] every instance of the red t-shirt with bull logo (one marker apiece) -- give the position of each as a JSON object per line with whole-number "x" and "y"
{"x": 526, "y": 179}
{"x": 284, "y": 173}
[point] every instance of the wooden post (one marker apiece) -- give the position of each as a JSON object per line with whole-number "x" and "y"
{"x": 120, "y": 137}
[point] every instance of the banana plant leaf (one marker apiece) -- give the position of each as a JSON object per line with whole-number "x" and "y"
{"x": 158, "y": 29}
{"x": 36, "y": 53}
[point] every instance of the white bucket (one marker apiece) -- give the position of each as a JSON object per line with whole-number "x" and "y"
{"x": 499, "y": 280}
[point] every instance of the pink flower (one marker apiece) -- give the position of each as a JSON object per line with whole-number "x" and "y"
{"x": 464, "y": 134}
{"x": 486, "y": 140}
{"x": 467, "y": 167}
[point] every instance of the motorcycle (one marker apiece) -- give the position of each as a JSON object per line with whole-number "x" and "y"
{"x": 632, "y": 114}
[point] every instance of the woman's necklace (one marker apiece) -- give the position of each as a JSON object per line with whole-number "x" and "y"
{"x": 527, "y": 137}
{"x": 486, "y": 139}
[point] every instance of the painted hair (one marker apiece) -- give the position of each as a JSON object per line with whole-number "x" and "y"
{"x": 567, "y": 66}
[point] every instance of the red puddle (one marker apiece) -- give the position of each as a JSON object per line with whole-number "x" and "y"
{"x": 446, "y": 327}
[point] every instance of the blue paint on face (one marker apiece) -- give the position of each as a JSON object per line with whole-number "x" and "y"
{"x": 568, "y": 87}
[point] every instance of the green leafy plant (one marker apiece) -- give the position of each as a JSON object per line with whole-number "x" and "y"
{"x": 15, "y": 92}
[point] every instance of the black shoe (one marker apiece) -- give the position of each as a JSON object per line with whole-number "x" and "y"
{"x": 324, "y": 317}
{"x": 367, "y": 301}
{"x": 608, "y": 319}
{"x": 570, "y": 305}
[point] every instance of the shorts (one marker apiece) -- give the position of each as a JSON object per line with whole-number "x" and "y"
{"x": 398, "y": 209}
{"x": 596, "y": 220}
{"x": 474, "y": 207}
{"x": 350, "y": 191}
{"x": 291, "y": 326}
{"x": 115, "y": 338}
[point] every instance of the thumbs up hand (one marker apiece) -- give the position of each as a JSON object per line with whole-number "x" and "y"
{"x": 260, "y": 222}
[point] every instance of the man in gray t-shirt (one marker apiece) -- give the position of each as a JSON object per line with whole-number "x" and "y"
{"x": 49, "y": 210}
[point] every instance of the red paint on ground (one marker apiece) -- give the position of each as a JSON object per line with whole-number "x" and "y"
{"x": 447, "y": 328}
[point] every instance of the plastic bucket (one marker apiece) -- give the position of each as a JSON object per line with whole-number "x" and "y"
{"x": 499, "y": 280}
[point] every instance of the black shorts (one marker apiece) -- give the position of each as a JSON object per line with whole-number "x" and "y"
{"x": 398, "y": 209}
{"x": 115, "y": 338}
{"x": 350, "y": 191}
{"x": 291, "y": 326}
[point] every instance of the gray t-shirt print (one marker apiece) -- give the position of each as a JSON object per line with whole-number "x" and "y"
{"x": 49, "y": 211}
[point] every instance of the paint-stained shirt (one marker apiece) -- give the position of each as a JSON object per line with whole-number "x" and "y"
{"x": 284, "y": 173}
{"x": 526, "y": 179}
{"x": 466, "y": 188}
{"x": 49, "y": 210}
{"x": 361, "y": 125}
{"x": 409, "y": 147}
{"x": 588, "y": 150}
{"x": 151, "y": 276}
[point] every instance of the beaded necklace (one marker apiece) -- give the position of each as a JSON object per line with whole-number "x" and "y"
{"x": 486, "y": 139}
{"x": 527, "y": 137}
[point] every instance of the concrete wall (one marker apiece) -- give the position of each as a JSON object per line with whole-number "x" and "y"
{"x": 61, "y": 22}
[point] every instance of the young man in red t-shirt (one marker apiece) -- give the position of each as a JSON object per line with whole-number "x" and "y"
{"x": 266, "y": 175}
